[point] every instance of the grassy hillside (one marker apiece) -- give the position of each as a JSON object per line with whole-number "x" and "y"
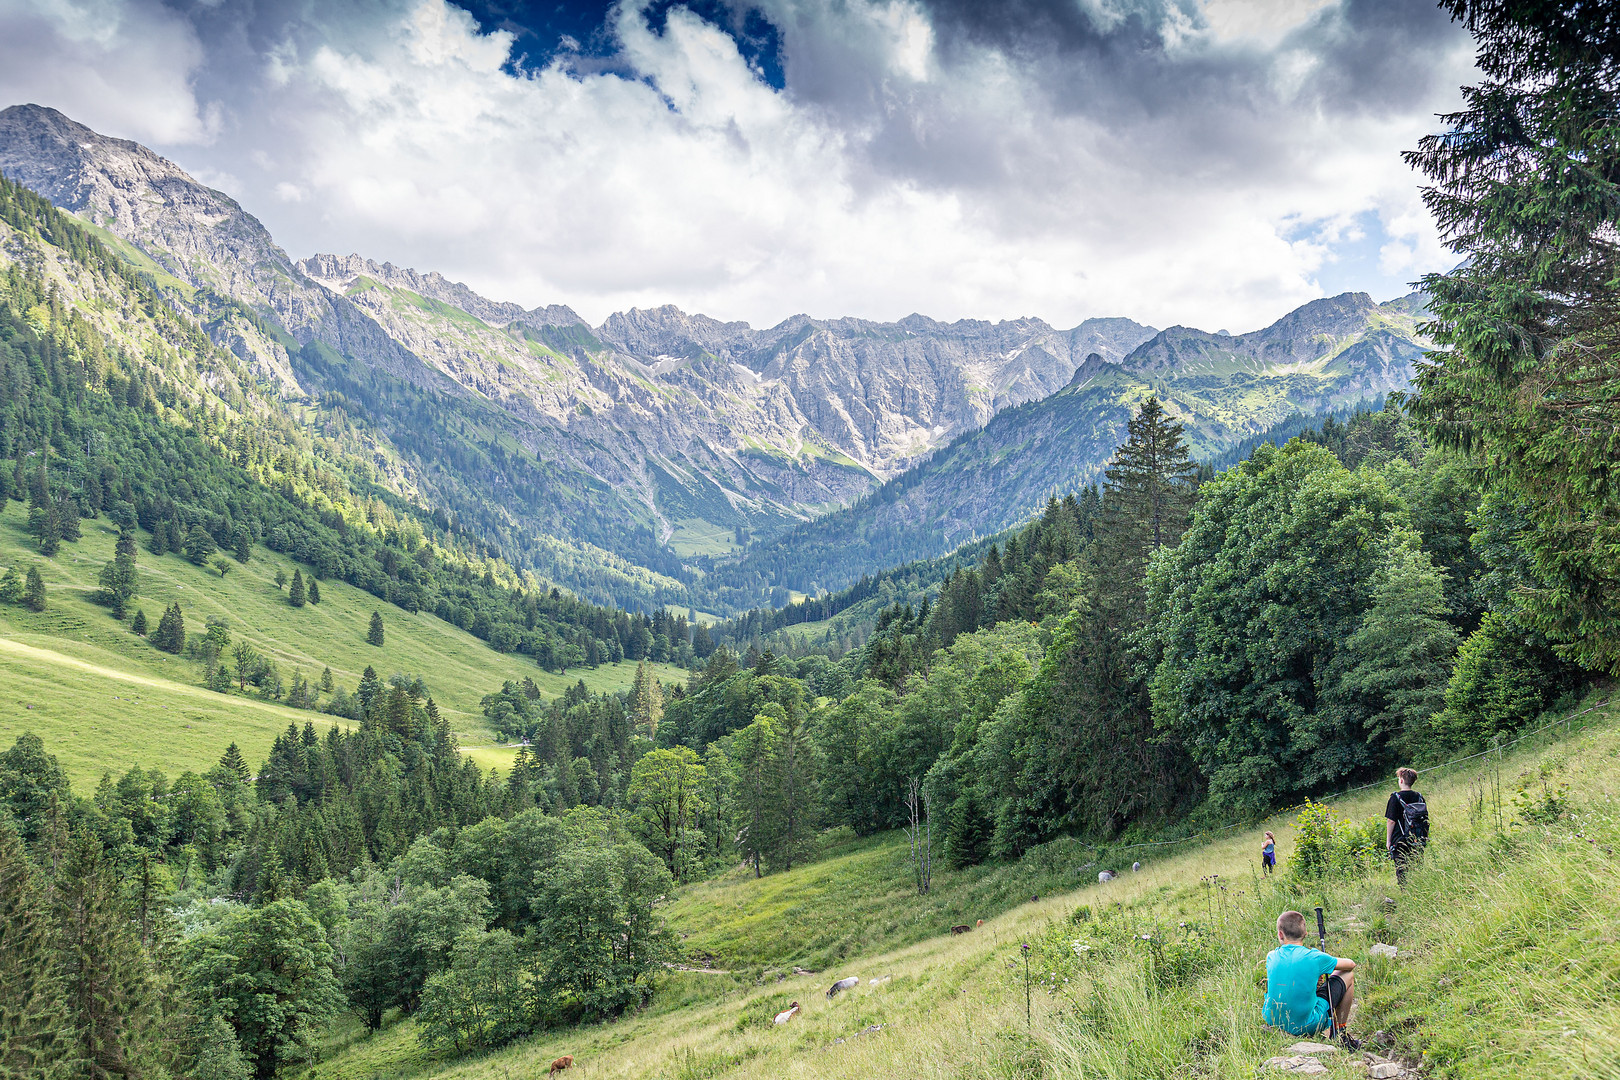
{"x": 1507, "y": 962}
{"x": 102, "y": 698}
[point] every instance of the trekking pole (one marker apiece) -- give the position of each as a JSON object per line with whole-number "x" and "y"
{"x": 1321, "y": 943}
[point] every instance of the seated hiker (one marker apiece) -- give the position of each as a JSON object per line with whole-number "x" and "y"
{"x": 1293, "y": 1001}
{"x": 1406, "y": 823}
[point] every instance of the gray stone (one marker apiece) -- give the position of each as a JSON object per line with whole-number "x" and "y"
{"x": 1380, "y": 949}
{"x": 1304, "y": 1066}
{"x": 1389, "y": 1070}
{"x": 1312, "y": 1048}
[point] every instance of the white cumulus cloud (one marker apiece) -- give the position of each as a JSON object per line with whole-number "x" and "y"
{"x": 1154, "y": 159}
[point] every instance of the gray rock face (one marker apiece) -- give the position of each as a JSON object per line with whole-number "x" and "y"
{"x": 198, "y": 235}
{"x": 688, "y": 416}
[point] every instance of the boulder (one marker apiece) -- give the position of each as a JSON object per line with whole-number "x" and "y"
{"x": 1387, "y": 951}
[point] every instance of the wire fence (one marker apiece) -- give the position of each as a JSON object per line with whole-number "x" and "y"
{"x": 1209, "y": 834}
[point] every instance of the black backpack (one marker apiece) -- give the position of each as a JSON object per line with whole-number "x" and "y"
{"x": 1415, "y": 819}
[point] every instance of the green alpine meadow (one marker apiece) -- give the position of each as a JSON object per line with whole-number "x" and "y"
{"x": 398, "y": 683}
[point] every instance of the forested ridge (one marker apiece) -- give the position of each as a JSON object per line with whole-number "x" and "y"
{"x": 1173, "y": 648}
{"x": 169, "y": 432}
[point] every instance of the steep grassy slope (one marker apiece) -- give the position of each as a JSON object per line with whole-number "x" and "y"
{"x": 1508, "y": 962}
{"x": 103, "y": 698}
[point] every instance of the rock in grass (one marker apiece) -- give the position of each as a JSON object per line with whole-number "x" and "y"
{"x": 1380, "y": 949}
{"x": 1389, "y": 1070}
{"x": 1304, "y": 1066}
{"x": 1312, "y": 1048}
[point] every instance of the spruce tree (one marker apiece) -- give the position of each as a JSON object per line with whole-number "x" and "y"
{"x": 118, "y": 582}
{"x": 374, "y": 635}
{"x": 326, "y": 680}
{"x": 45, "y": 522}
{"x": 295, "y": 595}
{"x": 170, "y": 635}
{"x": 11, "y": 586}
{"x": 200, "y": 546}
{"x": 1525, "y": 382}
{"x": 1150, "y": 484}
{"x": 233, "y": 761}
{"x": 33, "y": 597}
{"x": 109, "y": 987}
{"x": 32, "y": 1019}
{"x": 646, "y": 701}
{"x": 243, "y": 543}
{"x": 138, "y": 626}
{"x": 314, "y": 590}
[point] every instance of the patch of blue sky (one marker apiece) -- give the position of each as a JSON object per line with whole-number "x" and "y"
{"x": 1353, "y": 259}
{"x": 579, "y": 31}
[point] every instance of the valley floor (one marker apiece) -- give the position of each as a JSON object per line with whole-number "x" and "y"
{"x": 1508, "y": 964}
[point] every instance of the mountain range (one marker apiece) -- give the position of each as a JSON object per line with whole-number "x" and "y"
{"x": 636, "y": 462}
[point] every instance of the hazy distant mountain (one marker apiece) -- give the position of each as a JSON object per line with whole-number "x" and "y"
{"x": 1329, "y": 354}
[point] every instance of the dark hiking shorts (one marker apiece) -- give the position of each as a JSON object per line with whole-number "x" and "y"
{"x": 1332, "y": 992}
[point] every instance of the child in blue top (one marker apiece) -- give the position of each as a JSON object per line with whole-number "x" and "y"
{"x": 1268, "y": 853}
{"x": 1293, "y": 1001}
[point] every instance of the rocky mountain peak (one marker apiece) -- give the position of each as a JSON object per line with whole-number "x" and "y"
{"x": 340, "y": 272}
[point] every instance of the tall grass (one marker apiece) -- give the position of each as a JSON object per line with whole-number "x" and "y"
{"x": 1508, "y": 962}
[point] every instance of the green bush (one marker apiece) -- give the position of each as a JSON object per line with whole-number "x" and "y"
{"x": 1329, "y": 844}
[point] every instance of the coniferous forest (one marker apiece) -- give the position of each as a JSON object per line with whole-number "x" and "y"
{"x": 1175, "y": 645}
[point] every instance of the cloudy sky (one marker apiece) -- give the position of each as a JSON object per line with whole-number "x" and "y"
{"x": 1206, "y": 162}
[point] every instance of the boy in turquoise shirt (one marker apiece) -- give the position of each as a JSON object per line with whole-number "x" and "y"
{"x": 1293, "y": 1001}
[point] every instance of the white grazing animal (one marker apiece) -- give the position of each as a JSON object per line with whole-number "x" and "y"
{"x": 1105, "y": 876}
{"x": 788, "y": 1013}
{"x": 844, "y": 984}
{"x": 1135, "y": 866}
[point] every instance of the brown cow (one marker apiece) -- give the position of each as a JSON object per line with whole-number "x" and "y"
{"x": 964, "y": 928}
{"x": 979, "y": 923}
{"x": 566, "y": 1062}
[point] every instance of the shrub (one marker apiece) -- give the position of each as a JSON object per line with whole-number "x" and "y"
{"x": 1328, "y": 844}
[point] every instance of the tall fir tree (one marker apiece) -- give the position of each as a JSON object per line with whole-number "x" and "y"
{"x": 374, "y": 633}
{"x": 33, "y": 596}
{"x": 1525, "y": 381}
{"x": 109, "y": 986}
{"x": 295, "y": 593}
{"x": 33, "y": 1023}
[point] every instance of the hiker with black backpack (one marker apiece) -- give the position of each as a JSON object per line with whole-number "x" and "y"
{"x": 1406, "y": 823}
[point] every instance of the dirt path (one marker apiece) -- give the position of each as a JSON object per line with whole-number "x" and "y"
{"x": 49, "y": 656}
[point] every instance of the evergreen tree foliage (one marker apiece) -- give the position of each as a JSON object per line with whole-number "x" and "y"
{"x": 314, "y": 590}
{"x": 646, "y": 701}
{"x": 217, "y": 1053}
{"x": 296, "y": 597}
{"x": 119, "y": 581}
{"x": 138, "y": 624}
{"x": 11, "y": 586}
{"x": 200, "y": 545}
{"x": 170, "y": 635}
{"x": 110, "y": 987}
{"x": 1398, "y": 661}
{"x": 33, "y": 1026}
{"x": 242, "y": 544}
{"x": 374, "y": 633}
{"x": 1526, "y": 384}
{"x": 33, "y": 597}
